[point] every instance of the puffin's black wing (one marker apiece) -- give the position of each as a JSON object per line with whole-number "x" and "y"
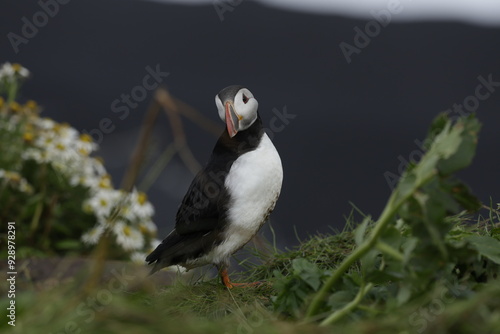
{"x": 204, "y": 205}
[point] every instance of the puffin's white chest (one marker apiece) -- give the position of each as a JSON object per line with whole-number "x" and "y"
{"x": 254, "y": 184}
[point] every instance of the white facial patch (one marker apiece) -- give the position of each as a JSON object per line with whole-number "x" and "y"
{"x": 245, "y": 107}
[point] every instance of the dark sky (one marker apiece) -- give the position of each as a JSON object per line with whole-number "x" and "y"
{"x": 353, "y": 121}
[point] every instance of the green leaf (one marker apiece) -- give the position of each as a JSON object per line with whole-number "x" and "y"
{"x": 368, "y": 261}
{"x": 487, "y": 246}
{"x": 463, "y": 138}
{"x": 360, "y": 231}
{"x": 404, "y": 294}
{"x": 339, "y": 299}
{"x": 308, "y": 272}
{"x": 408, "y": 246}
{"x": 436, "y": 127}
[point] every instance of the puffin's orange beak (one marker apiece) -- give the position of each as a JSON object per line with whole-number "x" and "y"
{"x": 232, "y": 120}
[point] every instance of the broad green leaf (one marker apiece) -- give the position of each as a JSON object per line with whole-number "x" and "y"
{"x": 308, "y": 272}
{"x": 467, "y": 130}
{"x": 487, "y": 246}
{"x": 427, "y": 167}
{"x": 447, "y": 142}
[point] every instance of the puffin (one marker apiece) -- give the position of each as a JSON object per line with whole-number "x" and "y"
{"x": 231, "y": 198}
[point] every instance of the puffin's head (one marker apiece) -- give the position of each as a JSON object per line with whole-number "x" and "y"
{"x": 237, "y": 108}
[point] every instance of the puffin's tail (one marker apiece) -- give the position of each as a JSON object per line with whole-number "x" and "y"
{"x": 177, "y": 249}
{"x": 162, "y": 255}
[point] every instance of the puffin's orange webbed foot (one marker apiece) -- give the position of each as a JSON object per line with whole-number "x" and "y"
{"x": 246, "y": 285}
{"x": 228, "y": 284}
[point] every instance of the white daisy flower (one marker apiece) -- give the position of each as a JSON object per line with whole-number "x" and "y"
{"x": 90, "y": 172}
{"x": 35, "y": 154}
{"x": 6, "y": 71}
{"x": 85, "y": 145}
{"x": 148, "y": 227}
{"x": 141, "y": 208}
{"x": 9, "y": 71}
{"x": 44, "y": 139}
{"x": 20, "y": 70}
{"x": 65, "y": 154}
{"x": 126, "y": 210}
{"x": 92, "y": 236}
{"x": 102, "y": 202}
{"x": 45, "y": 123}
{"x": 66, "y": 135}
{"x": 128, "y": 237}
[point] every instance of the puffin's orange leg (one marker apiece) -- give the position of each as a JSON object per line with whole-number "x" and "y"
{"x": 225, "y": 278}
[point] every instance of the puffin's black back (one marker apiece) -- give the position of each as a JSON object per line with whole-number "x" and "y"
{"x": 201, "y": 217}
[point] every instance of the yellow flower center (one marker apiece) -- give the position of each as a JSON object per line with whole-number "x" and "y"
{"x": 31, "y": 104}
{"x": 103, "y": 202}
{"x": 60, "y": 147}
{"x": 83, "y": 151}
{"x": 127, "y": 231}
{"x": 28, "y": 136}
{"x": 105, "y": 181}
{"x": 142, "y": 198}
{"x": 85, "y": 138}
{"x": 17, "y": 67}
{"x": 14, "y": 106}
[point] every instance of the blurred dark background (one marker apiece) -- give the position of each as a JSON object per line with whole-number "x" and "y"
{"x": 353, "y": 123}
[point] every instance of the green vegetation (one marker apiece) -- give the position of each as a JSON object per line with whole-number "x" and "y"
{"x": 461, "y": 298}
{"x": 428, "y": 264}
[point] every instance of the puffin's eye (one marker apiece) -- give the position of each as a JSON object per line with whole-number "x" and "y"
{"x": 245, "y": 99}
